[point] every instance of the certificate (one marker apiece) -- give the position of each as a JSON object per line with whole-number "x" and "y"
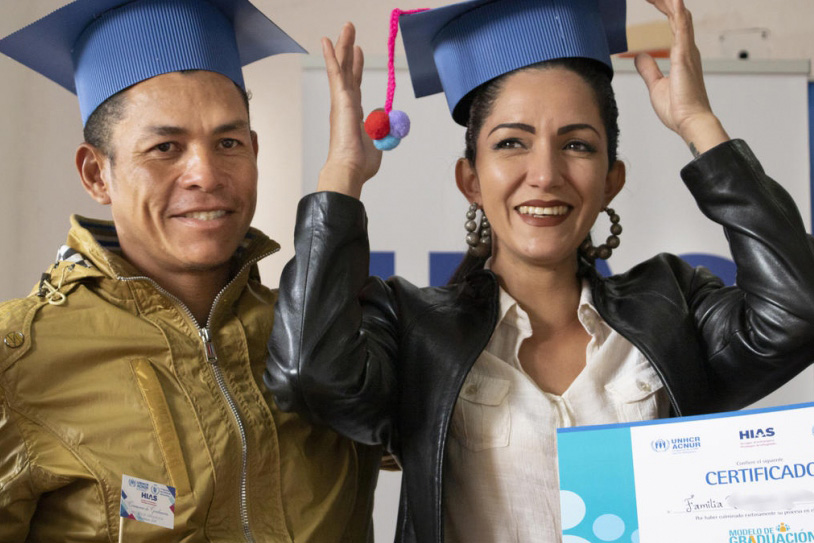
{"x": 740, "y": 477}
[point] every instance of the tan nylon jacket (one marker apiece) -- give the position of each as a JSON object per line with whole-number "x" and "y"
{"x": 116, "y": 380}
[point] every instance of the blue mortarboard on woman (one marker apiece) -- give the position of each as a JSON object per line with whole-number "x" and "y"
{"x": 466, "y": 384}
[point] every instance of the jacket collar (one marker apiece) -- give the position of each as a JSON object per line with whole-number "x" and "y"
{"x": 92, "y": 250}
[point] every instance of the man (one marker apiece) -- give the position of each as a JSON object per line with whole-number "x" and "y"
{"x": 139, "y": 356}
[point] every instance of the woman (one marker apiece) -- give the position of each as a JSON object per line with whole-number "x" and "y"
{"x": 465, "y": 384}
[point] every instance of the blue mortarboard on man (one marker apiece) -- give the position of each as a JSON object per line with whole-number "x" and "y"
{"x": 96, "y": 48}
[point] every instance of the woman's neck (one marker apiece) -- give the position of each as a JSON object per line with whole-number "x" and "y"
{"x": 550, "y": 295}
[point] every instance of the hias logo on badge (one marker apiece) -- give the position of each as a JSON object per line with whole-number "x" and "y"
{"x": 660, "y": 445}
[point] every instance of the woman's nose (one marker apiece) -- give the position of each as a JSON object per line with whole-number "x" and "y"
{"x": 543, "y": 170}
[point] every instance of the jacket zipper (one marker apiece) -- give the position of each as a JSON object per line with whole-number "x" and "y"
{"x": 212, "y": 359}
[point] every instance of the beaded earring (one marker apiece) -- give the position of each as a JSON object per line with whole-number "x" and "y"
{"x": 479, "y": 239}
{"x": 604, "y": 251}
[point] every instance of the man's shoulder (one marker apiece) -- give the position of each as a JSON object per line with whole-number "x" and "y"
{"x": 16, "y": 318}
{"x": 27, "y": 324}
{"x": 14, "y": 311}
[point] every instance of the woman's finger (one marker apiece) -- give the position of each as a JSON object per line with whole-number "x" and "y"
{"x": 648, "y": 69}
{"x": 329, "y": 55}
{"x": 332, "y": 69}
{"x": 344, "y": 49}
{"x": 358, "y": 65}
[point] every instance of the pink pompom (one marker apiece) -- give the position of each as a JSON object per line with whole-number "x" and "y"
{"x": 377, "y": 124}
{"x": 399, "y": 124}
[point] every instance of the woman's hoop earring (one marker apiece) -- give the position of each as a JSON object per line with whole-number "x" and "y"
{"x": 605, "y": 250}
{"x": 479, "y": 238}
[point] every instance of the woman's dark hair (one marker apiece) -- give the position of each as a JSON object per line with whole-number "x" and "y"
{"x": 482, "y": 99}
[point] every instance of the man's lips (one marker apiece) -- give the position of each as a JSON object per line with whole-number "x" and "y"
{"x": 203, "y": 214}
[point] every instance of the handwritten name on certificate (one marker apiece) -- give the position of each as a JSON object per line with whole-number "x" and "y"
{"x": 740, "y": 477}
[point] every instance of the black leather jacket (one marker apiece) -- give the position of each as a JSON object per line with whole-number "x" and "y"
{"x": 383, "y": 361}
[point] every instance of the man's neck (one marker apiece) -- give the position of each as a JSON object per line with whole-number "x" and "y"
{"x": 197, "y": 290}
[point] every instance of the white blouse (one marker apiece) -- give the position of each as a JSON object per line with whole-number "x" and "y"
{"x": 500, "y": 472}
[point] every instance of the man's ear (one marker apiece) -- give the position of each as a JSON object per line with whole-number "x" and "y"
{"x": 255, "y": 145}
{"x": 614, "y": 181}
{"x": 94, "y": 171}
{"x": 467, "y": 180}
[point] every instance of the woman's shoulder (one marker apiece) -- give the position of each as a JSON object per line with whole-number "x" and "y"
{"x": 477, "y": 289}
{"x": 659, "y": 272}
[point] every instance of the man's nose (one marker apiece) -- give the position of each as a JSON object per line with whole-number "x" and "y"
{"x": 201, "y": 170}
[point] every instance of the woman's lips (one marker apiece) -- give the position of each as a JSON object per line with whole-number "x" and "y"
{"x": 543, "y": 211}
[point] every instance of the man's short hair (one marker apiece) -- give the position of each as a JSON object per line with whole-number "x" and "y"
{"x": 98, "y": 129}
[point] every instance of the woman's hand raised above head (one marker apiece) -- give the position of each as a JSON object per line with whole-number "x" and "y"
{"x": 680, "y": 99}
{"x": 352, "y": 157}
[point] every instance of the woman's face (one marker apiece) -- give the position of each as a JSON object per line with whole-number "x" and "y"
{"x": 541, "y": 171}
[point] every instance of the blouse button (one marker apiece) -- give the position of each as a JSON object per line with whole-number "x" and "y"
{"x": 645, "y": 387}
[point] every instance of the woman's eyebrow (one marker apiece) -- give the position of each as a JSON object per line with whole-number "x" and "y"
{"x": 521, "y": 126}
{"x": 576, "y": 126}
{"x": 530, "y": 129}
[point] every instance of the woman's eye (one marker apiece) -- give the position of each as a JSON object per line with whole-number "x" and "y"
{"x": 580, "y": 146}
{"x": 509, "y": 143}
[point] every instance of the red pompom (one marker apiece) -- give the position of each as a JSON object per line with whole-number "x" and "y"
{"x": 377, "y": 124}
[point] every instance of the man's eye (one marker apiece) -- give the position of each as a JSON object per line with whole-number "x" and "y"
{"x": 229, "y": 143}
{"x": 163, "y": 147}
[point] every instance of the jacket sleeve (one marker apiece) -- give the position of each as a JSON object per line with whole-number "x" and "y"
{"x": 333, "y": 348}
{"x": 761, "y": 330}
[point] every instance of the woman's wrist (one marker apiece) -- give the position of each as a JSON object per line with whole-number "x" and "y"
{"x": 339, "y": 179}
{"x": 703, "y": 132}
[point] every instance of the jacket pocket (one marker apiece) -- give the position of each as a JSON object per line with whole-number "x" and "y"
{"x": 482, "y": 419}
{"x": 162, "y": 424}
{"x": 638, "y": 394}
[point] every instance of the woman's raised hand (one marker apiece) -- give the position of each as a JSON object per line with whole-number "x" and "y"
{"x": 352, "y": 157}
{"x": 680, "y": 99}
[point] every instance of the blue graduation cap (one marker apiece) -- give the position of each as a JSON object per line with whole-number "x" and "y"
{"x": 96, "y": 48}
{"x": 456, "y": 48}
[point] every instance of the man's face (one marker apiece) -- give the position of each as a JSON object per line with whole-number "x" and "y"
{"x": 182, "y": 182}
